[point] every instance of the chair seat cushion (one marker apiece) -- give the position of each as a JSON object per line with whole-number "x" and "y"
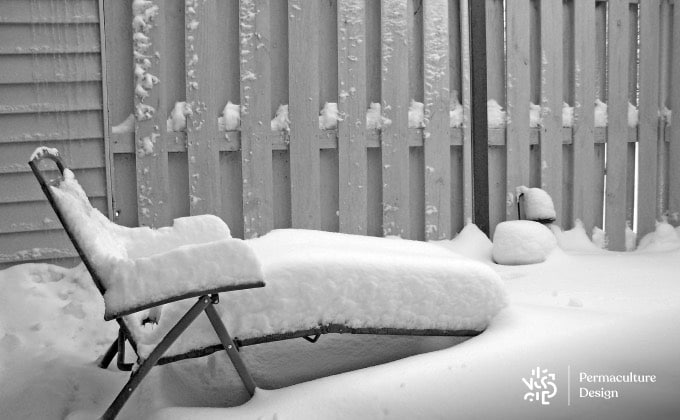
{"x": 319, "y": 278}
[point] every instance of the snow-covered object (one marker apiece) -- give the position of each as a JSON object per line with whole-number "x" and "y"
{"x": 416, "y": 114}
{"x": 230, "y": 118}
{"x": 632, "y": 115}
{"x": 667, "y": 115}
{"x": 519, "y": 242}
{"x": 631, "y": 238}
{"x": 41, "y": 151}
{"x": 316, "y": 277}
{"x": 138, "y": 266}
{"x": 329, "y": 116}
{"x": 567, "y": 115}
{"x": 537, "y": 204}
{"x": 575, "y": 239}
{"x": 495, "y": 114}
{"x": 456, "y": 114}
{"x": 664, "y": 238}
{"x": 599, "y": 238}
{"x": 374, "y": 118}
{"x": 280, "y": 122}
{"x": 177, "y": 121}
{"x": 601, "y": 117}
{"x": 471, "y": 242}
{"x": 535, "y": 119}
{"x": 144, "y": 13}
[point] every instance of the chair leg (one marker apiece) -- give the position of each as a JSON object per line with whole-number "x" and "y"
{"x": 109, "y": 355}
{"x": 138, "y": 375}
{"x": 120, "y": 361}
{"x": 232, "y": 350}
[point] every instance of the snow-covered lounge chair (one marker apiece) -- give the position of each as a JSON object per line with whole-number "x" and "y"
{"x": 316, "y": 283}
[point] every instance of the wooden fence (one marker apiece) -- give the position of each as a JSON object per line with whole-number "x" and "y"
{"x": 412, "y": 182}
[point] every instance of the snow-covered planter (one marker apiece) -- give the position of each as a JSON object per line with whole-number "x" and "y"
{"x": 522, "y": 242}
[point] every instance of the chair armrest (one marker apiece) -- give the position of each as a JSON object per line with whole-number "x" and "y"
{"x": 187, "y": 271}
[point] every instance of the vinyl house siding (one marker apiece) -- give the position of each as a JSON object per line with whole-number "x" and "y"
{"x": 50, "y": 94}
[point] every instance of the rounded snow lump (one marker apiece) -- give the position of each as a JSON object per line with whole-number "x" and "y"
{"x": 538, "y": 205}
{"x": 522, "y": 242}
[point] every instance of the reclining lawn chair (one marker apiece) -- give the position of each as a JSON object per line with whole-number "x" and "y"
{"x": 317, "y": 283}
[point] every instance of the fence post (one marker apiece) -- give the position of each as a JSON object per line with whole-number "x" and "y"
{"x": 150, "y": 126}
{"x": 395, "y": 100}
{"x": 256, "y": 146}
{"x": 436, "y": 137}
{"x": 479, "y": 121}
{"x": 352, "y": 152}
{"x": 202, "y": 147}
{"x": 617, "y": 130}
{"x": 303, "y": 65}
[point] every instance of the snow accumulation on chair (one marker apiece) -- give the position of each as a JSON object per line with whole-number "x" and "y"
{"x": 316, "y": 283}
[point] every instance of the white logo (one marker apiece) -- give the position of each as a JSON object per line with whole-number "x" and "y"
{"x": 541, "y": 386}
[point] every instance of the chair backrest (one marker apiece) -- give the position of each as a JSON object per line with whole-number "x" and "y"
{"x": 70, "y": 204}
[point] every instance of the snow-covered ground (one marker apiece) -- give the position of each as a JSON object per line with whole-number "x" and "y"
{"x": 582, "y": 312}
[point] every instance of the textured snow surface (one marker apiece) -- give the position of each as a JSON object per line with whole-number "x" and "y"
{"x": 664, "y": 238}
{"x": 416, "y": 114}
{"x": 519, "y": 242}
{"x": 329, "y": 116}
{"x": 599, "y": 312}
{"x": 140, "y": 265}
{"x": 230, "y": 118}
{"x": 317, "y": 278}
{"x": 456, "y": 114}
{"x": 280, "y": 122}
{"x": 374, "y": 118}
{"x": 470, "y": 242}
{"x": 495, "y": 114}
{"x": 575, "y": 239}
{"x": 177, "y": 121}
{"x": 567, "y": 115}
{"x": 535, "y": 119}
{"x": 537, "y": 204}
{"x": 601, "y": 117}
{"x": 41, "y": 151}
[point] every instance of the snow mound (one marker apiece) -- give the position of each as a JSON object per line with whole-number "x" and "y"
{"x": 318, "y": 278}
{"x": 470, "y": 242}
{"x": 416, "y": 114}
{"x": 177, "y": 121}
{"x": 329, "y": 116}
{"x": 567, "y": 115}
{"x": 601, "y": 117}
{"x": 495, "y": 114}
{"x": 535, "y": 119}
{"x": 537, "y": 204}
{"x": 456, "y": 114}
{"x": 230, "y": 118}
{"x": 575, "y": 239}
{"x": 138, "y": 266}
{"x": 664, "y": 238}
{"x": 520, "y": 242}
{"x": 599, "y": 238}
{"x": 280, "y": 122}
{"x": 374, "y": 118}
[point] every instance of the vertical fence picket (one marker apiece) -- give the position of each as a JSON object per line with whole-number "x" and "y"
{"x": 617, "y": 130}
{"x": 551, "y": 101}
{"x": 256, "y": 147}
{"x": 649, "y": 120}
{"x": 665, "y": 48}
{"x": 437, "y": 143}
{"x": 202, "y": 147}
{"x": 633, "y": 138}
{"x": 303, "y": 27}
{"x": 674, "y": 143}
{"x": 518, "y": 90}
{"x": 150, "y": 128}
{"x": 394, "y": 136}
{"x": 583, "y": 129}
{"x": 465, "y": 99}
{"x": 352, "y": 146}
